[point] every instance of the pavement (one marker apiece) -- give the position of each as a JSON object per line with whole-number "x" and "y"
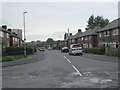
{"x": 30, "y": 59}
{"x": 61, "y": 70}
{"x": 101, "y": 57}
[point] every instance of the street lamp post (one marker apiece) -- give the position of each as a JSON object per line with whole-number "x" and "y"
{"x": 68, "y": 39}
{"x": 24, "y": 34}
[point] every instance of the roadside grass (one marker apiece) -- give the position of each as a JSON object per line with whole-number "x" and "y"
{"x": 0, "y": 58}
{"x": 11, "y": 57}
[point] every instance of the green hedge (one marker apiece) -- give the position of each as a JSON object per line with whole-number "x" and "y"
{"x": 19, "y": 50}
{"x": 94, "y": 50}
{"x": 117, "y": 53}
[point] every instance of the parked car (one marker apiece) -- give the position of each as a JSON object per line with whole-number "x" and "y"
{"x": 65, "y": 50}
{"x": 42, "y": 49}
{"x": 49, "y": 48}
{"x": 75, "y": 49}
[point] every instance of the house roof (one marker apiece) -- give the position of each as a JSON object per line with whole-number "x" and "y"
{"x": 88, "y": 32}
{"x": 76, "y": 35}
{"x": 4, "y": 30}
{"x": 114, "y": 24}
{"x": 91, "y": 31}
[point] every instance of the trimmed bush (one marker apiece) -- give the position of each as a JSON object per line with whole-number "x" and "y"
{"x": 20, "y": 50}
{"x": 117, "y": 53}
{"x": 100, "y": 51}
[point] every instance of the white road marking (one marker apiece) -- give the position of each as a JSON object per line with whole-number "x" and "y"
{"x": 64, "y": 56}
{"x": 68, "y": 60}
{"x": 15, "y": 77}
{"x": 74, "y": 67}
{"x": 77, "y": 70}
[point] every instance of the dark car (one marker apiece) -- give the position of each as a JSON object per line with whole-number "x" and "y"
{"x": 65, "y": 50}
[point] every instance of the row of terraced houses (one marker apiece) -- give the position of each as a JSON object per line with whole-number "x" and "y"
{"x": 107, "y": 36}
{"x": 10, "y": 37}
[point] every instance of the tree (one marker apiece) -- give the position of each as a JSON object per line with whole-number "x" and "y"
{"x": 49, "y": 42}
{"x": 65, "y": 36}
{"x": 96, "y": 21}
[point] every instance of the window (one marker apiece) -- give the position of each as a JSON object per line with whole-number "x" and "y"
{"x": 7, "y": 35}
{"x": 86, "y": 38}
{"x": 16, "y": 39}
{"x": 1, "y": 34}
{"x": 117, "y": 45}
{"x": 81, "y": 38}
{"x": 73, "y": 40}
{"x": 115, "y": 31}
{"x": 100, "y": 35}
{"x": 90, "y": 45}
{"x": 90, "y": 37}
{"x": 106, "y": 33}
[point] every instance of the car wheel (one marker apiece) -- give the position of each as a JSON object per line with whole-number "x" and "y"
{"x": 80, "y": 53}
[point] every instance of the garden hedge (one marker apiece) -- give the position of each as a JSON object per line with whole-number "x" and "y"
{"x": 100, "y": 51}
{"x": 19, "y": 50}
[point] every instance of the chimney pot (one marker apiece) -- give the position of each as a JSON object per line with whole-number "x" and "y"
{"x": 70, "y": 34}
{"x": 79, "y": 30}
{"x": 9, "y": 29}
{"x": 4, "y": 26}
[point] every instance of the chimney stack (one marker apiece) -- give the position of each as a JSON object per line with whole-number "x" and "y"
{"x": 79, "y": 30}
{"x": 70, "y": 34}
{"x": 9, "y": 29}
{"x": 4, "y": 27}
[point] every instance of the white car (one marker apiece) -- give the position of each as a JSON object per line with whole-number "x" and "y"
{"x": 65, "y": 50}
{"x": 49, "y": 48}
{"x": 75, "y": 49}
{"x": 42, "y": 49}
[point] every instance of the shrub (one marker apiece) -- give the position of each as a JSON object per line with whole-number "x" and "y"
{"x": 94, "y": 50}
{"x": 19, "y": 50}
{"x": 117, "y": 53}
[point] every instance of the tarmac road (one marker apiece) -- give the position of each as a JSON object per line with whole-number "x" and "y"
{"x": 60, "y": 70}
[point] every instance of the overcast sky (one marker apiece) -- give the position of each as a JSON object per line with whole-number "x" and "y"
{"x": 52, "y": 19}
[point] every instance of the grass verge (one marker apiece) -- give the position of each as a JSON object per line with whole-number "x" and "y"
{"x": 11, "y": 58}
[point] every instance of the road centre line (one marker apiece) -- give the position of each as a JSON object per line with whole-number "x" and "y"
{"x": 68, "y": 60}
{"x": 77, "y": 70}
{"x": 64, "y": 56}
{"x": 74, "y": 67}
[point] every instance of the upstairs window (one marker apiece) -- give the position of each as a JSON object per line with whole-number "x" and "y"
{"x": 81, "y": 38}
{"x": 115, "y": 31}
{"x": 86, "y": 38}
{"x": 7, "y": 35}
{"x": 106, "y": 33}
{"x": 90, "y": 37}
{"x": 100, "y": 35}
{"x": 1, "y": 34}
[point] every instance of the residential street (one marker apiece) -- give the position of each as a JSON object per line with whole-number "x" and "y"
{"x": 60, "y": 70}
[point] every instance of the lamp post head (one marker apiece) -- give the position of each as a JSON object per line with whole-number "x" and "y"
{"x": 24, "y": 12}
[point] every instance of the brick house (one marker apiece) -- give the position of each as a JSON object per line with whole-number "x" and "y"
{"x": 9, "y": 38}
{"x": 89, "y": 38}
{"x": 16, "y": 37}
{"x": 4, "y": 36}
{"x": 109, "y": 35}
{"x": 74, "y": 39}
